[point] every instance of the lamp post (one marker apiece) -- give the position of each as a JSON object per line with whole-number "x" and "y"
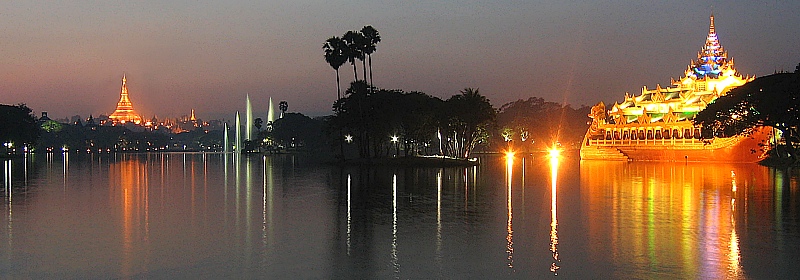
{"x": 395, "y": 140}
{"x": 439, "y": 135}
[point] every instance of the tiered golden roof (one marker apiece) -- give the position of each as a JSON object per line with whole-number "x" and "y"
{"x": 706, "y": 78}
{"x": 124, "y": 112}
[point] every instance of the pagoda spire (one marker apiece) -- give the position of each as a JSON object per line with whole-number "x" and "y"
{"x": 124, "y": 112}
{"x": 711, "y": 26}
{"x": 712, "y": 58}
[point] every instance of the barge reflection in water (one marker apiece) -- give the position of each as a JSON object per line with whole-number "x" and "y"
{"x": 223, "y": 216}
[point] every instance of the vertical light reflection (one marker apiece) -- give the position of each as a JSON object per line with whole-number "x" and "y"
{"x": 439, "y": 217}
{"x": 395, "y": 263}
{"x": 237, "y": 194}
{"x": 734, "y": 256}
{"x": 225, "y": 184}
{"x": 349, "y": 217}
{"x": 9, "y": 216}
{"x": 466, "y": 188}
{"x": 264, "y": 208}
{"x": 193, "y": 187}
{"x": 509, "y": 229}
{"x": 66, "y": 168}
{"x": 134, "y": 187}
{"x": 270, "y": 205}
{"x": 553, "y": 216}
{"x": 248, "y": 208}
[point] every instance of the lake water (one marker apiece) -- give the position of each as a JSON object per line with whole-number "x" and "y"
{"x": 213, "y": 216}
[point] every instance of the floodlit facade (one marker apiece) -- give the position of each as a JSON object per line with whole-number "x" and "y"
{"x": 656, "y": 125}
{"x": 124, "y": 112}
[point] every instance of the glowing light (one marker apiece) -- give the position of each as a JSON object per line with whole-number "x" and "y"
{"x": 554, "y": 152}
{"x": 348, "y": 138}
{"x": 395, "y": 138}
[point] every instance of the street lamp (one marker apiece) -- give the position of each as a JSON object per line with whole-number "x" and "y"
{"x": 439, "y": 135}
{"x": 395, "y": 139}
{"x": 348, "y": 138}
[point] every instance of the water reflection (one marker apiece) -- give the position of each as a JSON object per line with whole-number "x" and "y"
{"x": 132, "y": 192}
{"x": 650, "y": 214}
{"x": 554, "y": 267}
{"x": 395, "y": 263}
{"x": 219, "y": 216}
{"x": 349, "y": 213}
{"x": 509, "y": 229}
{"x": 7, "y": 191}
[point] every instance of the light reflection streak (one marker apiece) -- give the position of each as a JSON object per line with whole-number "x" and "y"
{"x": 264, "y": 209}
{"x": 224, "y": 185}
{"x": 509, "y": 229}
{"x": 349, "y": 217}
{"x": 466, "y": 188}
{"x": 134, "y": 185}
{"x": 439, "y": 217}
{"x": 553, "y": 216}
{"x": 248, "y": 208}
{"x": 66, "y": 169}
{"x": 734, "y": 256}
{"x": 9, "y": 216}
{"x": 395, "y": 264}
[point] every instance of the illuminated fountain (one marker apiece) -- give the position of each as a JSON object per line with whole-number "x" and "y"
{"x": 270, "y": 112}
{"x": 248, "y": 130}
{"x": 238, "y": 145}
{"x": 225, "y": 142}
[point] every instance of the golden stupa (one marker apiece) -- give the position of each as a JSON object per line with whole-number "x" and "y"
{"x": 124, "y": 112}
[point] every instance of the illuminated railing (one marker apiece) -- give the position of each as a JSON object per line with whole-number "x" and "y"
{"x": 675, "y": 142}
{"x": 644, "y": 142}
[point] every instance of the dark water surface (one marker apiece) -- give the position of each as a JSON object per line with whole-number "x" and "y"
{"x": 214, "y": 216}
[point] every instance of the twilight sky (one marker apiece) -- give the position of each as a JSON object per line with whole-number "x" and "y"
{"x": 68, "y": 57}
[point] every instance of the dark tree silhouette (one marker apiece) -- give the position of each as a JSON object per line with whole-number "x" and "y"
{"x": 354, "y": 51}
{"x": 335, "y": 55}
{"x": 283, "y": 106}
{"x": 258, "y": 122}
{"x": 18, "y": 125}
{"x": 372, "y": 39}
{"x": 772, "y": 100}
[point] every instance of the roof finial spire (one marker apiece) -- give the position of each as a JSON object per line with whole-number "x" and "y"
{"x": 711, "y": 26}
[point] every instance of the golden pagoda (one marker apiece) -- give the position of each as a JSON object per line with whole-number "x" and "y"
{"x": 657, "y": 124}
{"x": 124, "y": 112}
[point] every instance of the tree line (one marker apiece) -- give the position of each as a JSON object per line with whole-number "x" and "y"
{"x": 381, "y": 122}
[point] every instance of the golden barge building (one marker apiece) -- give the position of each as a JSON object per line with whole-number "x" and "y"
{"x": 656, "y": 125}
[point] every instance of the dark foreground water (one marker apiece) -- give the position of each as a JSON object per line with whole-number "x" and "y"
{"x": 213, "y": 216}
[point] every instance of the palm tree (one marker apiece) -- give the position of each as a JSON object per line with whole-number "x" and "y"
{"x": 335, "y": 54}
{"x": 258, "y": 122}
{"x": 354, "y": 40}
{"x": 283, "y": 106}
{"x": 372, "y": 38}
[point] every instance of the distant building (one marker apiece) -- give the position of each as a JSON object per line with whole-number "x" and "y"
{"x": 124, "y": 112}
